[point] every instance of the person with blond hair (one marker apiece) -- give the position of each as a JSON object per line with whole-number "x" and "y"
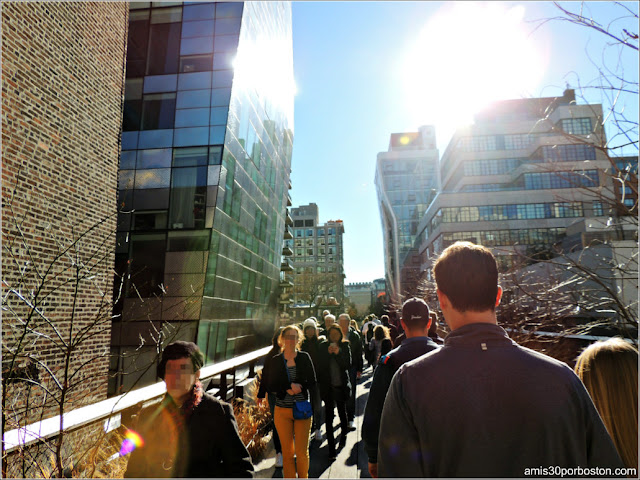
{"x": 292, "y": 378}
{"x": 609, "y": 370}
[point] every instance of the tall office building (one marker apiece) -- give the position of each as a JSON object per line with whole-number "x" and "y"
{"x": 203, "y": 180}
{"x": 406, "y": 183}
{"x": 318, "y": 258}
{"x": 521, "y": 177}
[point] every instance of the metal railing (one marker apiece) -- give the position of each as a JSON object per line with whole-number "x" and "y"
{"x": 112, "y": 410}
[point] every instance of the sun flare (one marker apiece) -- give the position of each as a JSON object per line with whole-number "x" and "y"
{"x": 468, "y": 55}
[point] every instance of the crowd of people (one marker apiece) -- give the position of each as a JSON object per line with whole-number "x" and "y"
{"x": 473, "y": 404}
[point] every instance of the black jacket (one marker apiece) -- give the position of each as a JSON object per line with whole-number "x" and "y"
{"x": 411, "y": 348}
{"x": 356, "y": 350}
{"x": 209, "y": 446}
{"x": 262, "y": 390}
{"x": 490, "y": 408}
{"x": 312, "y": 347}
{"x": 324, "y": 373}
{"x": 277, "y": 381}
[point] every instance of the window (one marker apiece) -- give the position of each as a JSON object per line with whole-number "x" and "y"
{"x": 309, "y": 232}
{"x": 147, "y": 265}
{"x": 188, "y": 198}
{"x": 308, "y": 223}
{"x": 299, "y": 232}
{"x": 321, "y": 232}
{"x": 150, "y": 220}
{"x": 576, "y": 126}
{"x": 331, "y": 231}
{"x": 158, "y": 111}
{"x": 298, "y": 223}
{"x": 196, "y": 63}
{"x": 154, "y": 158}
{"x": 163, "y": 57}
{"x": 188, "y": 241}
{"x": 568, "y": 153}
{"x": 138, "y": 38}
{"x": 189, "y": 157}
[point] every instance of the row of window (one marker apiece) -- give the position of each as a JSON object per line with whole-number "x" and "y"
{"x": 303, "y": 223}
{"x": 309, "y": 242}
{"x": 496, "y": 166}
{"x": 180, "y": 137}
{"x": 567, "y": 153}
{"x": 300, "y": 252}
{"x": 299, "y": 232}
{"x": 183, "y": 177}
{"x": 168, "y": 157}
{"x": 576, "y": 126}
{"x": 544, "y": 180}
{"x": 159, "y": 111}
{"x": 526, "y": 236}
{"x": 483, "y": 143}
{"x": 507, "y": 212}
{"x": 171, "y": 40}
{"x": 541, "y": 181}
{"x": 302, "y": 270}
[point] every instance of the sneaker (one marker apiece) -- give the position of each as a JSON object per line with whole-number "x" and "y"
{"x": 352, "y": 425}
{"x": 279, "y": 460}
{"x": 319, "y": 436}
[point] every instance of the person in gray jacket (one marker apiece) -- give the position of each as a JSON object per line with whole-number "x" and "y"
{"x": 415, "y": 322}
{"x": 482, "y": 405}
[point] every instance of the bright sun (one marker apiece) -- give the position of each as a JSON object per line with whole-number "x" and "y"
{"x": 469, "y": 54}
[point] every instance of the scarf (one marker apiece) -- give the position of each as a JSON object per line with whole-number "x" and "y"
{"x": 180, "y": 415}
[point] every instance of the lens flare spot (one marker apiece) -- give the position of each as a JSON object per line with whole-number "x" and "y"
{"x": 132, "y": 440}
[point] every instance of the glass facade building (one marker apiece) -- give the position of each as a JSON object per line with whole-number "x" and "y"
{"x": 406, "y": 183}
{"x": 204, "y": 178}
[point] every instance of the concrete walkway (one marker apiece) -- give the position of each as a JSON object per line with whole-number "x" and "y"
{"x": 351, "y": 461}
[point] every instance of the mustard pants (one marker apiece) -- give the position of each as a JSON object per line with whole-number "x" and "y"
{"x": 294, "y": 437}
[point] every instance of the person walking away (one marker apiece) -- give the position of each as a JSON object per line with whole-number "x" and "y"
{"x": 393, "y": 330}
{"x": 609, "y": 371}
{"x": 291, "y": 378}
{"x": 375, "y": 346}
{"x": 190, "y": 433}
{"x": 311, "y": 345}
{"x": 355, "y": 371}
{"x": 415, "y": 322}
{"x": 491, "y": 408}
{"x": 335, "y": 386}
{"x": 271, "y": 398}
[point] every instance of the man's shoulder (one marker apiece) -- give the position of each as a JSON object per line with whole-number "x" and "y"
{"x": 214, "y": 405}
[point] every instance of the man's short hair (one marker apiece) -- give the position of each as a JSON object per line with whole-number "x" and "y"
{"x": 415, "y": 313}
{"x": 344, "y": 315}
{"x": 468, "y": 275}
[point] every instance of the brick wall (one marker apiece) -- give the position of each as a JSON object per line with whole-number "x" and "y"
{"x": 62, "y": 84}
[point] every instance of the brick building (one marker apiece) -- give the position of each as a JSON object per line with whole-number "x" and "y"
{"x": 62, "y": 86}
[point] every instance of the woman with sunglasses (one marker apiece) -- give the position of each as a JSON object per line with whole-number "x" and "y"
{"x": 291, "y": 377}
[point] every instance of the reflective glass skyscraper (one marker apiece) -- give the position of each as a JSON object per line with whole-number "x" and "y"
{"x": 406, "y": 182}
{"x": 203, "y": 180}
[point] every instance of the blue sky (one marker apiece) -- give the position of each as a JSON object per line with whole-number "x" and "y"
{"x": 364, "y": 70}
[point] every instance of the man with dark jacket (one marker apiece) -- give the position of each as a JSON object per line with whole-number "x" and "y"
{"x": 190, "y": 433}
{"x": 490, "y": 408}
{"x": 415, "y": 321}
{"x": 311, "y": 344}
{"x": 357, "y": 363}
